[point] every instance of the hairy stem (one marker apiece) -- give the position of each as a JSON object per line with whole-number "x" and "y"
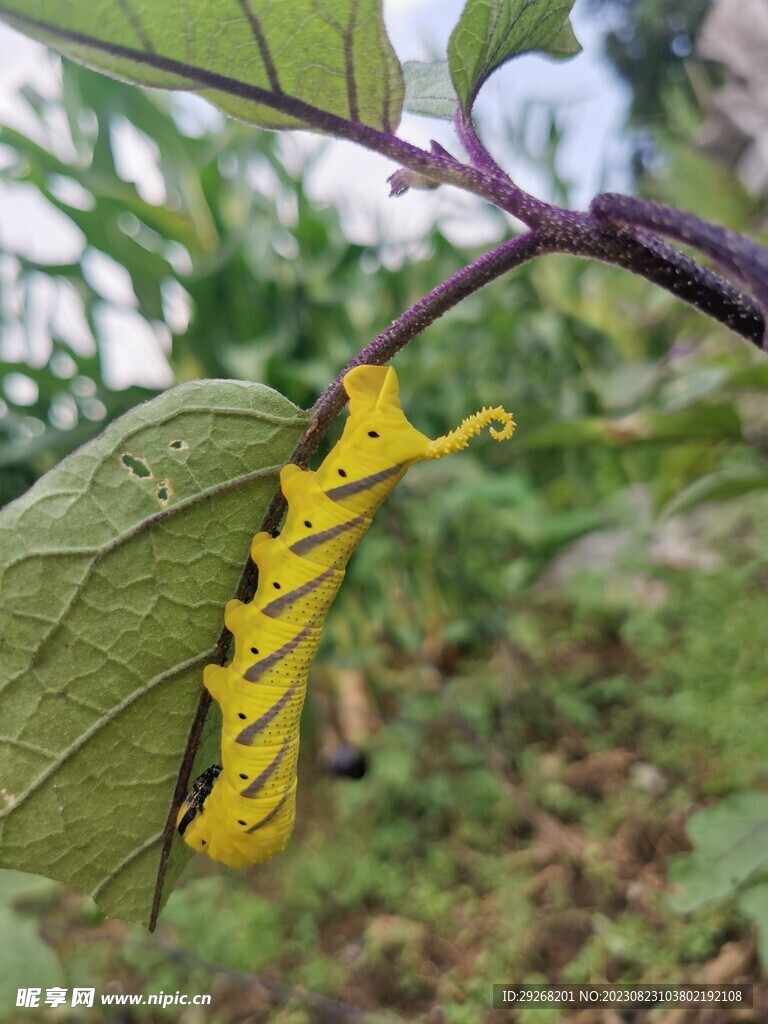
{"x": 439, "y": 168}
{"x": 655, "y": 260}
{"x": 739, "y": 257}
{"x": 475, "y": 149}
{"x": 525, "y": 207}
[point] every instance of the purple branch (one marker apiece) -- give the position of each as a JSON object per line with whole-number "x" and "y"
{"x": 740, "y": 257}
{"x": 476, "y": 151}
{"x": 653, "y": 259}
{"x": 524, "y": 206}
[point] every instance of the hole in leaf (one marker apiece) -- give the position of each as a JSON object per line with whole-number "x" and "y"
{"x": 276, "y": 586}
{"x": 136, "y": 466}
{"x": 178, "y": 446}
{"x": 372, "y": 433}
{"x": 308, "y": 524}
{"x": 342, "y": 472}
{"x": 163, "y": 492}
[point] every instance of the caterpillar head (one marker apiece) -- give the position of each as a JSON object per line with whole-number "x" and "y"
{"x": 374, "y": 406}
{"x": 377, "y": 423}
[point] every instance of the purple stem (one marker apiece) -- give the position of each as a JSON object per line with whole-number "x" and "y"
{"x": 740, "y": 257}
{"x": 656, "y": 261}
{"x": 421, "y": 314}
{"x": 475, "y": 149}
{"x": 526, "y": 207}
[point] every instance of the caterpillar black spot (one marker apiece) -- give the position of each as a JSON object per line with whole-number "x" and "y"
{"x": 242, "y": 812}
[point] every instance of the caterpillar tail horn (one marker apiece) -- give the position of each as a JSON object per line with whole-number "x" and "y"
{"x": 472, "y": 425}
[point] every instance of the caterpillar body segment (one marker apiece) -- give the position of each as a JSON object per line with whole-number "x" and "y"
{"x": 242, "y": 812}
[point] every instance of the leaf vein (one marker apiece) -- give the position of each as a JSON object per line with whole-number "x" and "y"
{"x": 135, "y": 23}
{"x": 349, "y": 63}
{"x": 264, "y": 51}
{"x": 100, "y": 552}
{"x": 124, "y": 863}
{"x": 33, "y": 748}
{"x": 100, "y": 723}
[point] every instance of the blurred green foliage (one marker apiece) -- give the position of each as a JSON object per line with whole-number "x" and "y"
{"x": 568, "y": 619}
{"x": 647, "y": 42}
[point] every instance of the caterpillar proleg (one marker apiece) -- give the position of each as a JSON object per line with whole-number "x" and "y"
{"x": 242, "y": 812}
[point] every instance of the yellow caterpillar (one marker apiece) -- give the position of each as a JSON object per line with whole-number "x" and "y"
{"x": 242, "y": 812}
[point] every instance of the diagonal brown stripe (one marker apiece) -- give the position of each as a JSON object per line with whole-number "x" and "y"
{"x": 255, "y": 672}
{"x": 347, "y": 490}
{"x": 269, "y": 771}
{"x": 246, "y": 736}
{"x": 276, "y": 607}
{"x": 301, "y": 547}
{"x": 272, "y": 814}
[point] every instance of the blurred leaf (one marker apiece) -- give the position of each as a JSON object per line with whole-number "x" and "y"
{"x": 428, "y": 89}
{"x": 569, "y": 433}
{"x": 696, "y": 421}
{"x": 720, "y": 486}
{"x": 28, "y": 961}
{"x": 753, "y": 903}
{"x": 332, "y": 55}
{"x": 730, "y": 846}
{"x": 694, "y": 182}
{"x": 626, "y": 385}
{"x": 113, "y": 583}
{"x": 491, "y": 32}
{"x": 750, "y": 377}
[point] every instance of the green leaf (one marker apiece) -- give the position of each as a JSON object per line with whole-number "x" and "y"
{"x": 113, "y": 583}
{"x": 491, "y": 32}
{"x": 278, "y": 65}
{"x": 753, "y": 903}
{"x": 720, "y": 486}
{"x": 730, "y": 846}
{"x": 428, "y": 89}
